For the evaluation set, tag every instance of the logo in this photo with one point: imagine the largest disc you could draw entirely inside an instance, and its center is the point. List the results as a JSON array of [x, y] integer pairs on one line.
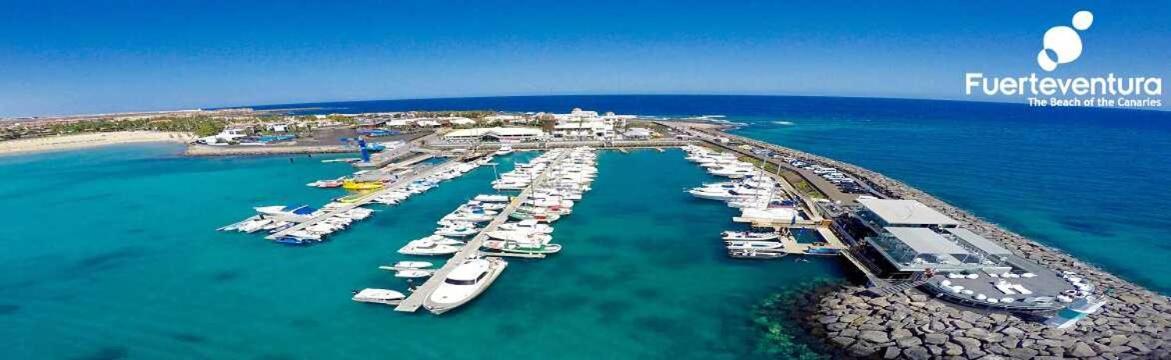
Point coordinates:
[[1062, 44]]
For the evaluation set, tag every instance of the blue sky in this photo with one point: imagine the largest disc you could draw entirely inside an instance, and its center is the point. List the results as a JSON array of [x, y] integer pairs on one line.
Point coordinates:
[[61, 57]]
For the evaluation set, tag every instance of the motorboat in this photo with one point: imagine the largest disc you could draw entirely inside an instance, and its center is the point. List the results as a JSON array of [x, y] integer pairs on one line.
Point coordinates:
[[412, 265], [464, 283], [755, 254], [531, 226], [379, 296], [427, 246], [412, 273], [254, 225], [349, 184], [457, 230], [521, 247], [753, 245], [521, 236], [492, 198], [442, 240], [326, 183], [544, 217], [460, 216], [504, 150], [747, 235]]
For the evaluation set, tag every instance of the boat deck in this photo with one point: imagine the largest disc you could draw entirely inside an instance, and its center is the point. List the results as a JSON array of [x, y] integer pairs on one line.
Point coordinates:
[[415, 300]]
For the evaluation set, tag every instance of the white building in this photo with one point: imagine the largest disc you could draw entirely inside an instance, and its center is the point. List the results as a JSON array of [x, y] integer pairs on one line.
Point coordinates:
[[458, 121], [495, 134], [399, 123], [582, 124]]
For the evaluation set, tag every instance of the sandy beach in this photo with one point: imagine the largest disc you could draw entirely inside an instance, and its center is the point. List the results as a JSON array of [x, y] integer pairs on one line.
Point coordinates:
[[79, 141]]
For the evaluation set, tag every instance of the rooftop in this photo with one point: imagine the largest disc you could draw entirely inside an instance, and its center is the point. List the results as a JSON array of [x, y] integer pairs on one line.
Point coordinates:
[[926, 241], [906, 212], [502, 131]]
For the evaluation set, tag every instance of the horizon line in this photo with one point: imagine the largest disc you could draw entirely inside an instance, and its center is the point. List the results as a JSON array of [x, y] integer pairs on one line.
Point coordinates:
[[1025, 104]]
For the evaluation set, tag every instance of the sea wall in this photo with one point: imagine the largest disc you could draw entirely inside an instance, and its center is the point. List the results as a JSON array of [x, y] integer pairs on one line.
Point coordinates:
[[1135, 323]]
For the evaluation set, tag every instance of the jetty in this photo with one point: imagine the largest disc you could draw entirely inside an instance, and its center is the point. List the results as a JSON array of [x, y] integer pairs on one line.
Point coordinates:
[[364, 200], [472, 249]]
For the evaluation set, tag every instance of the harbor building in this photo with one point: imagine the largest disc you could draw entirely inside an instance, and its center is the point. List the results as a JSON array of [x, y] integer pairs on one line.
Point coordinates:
[[904, 239], [494, 134], [581, 124]]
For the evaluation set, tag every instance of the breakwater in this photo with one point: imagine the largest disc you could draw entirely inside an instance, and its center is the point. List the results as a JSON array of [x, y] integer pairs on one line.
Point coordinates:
[[208, 150], [1134, 323]]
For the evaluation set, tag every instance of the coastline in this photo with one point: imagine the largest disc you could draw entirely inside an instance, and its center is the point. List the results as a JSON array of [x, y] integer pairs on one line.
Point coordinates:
[[1135, 321], [82, 141]]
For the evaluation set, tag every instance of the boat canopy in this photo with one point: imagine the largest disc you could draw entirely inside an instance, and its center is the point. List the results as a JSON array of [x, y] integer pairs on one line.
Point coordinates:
[[304, 210]]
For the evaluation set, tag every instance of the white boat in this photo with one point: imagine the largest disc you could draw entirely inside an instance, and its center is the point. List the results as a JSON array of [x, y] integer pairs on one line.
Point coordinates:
[[755, 254], [492, 198], [254, 225], [521, 247], [457, 230], [464, 283], [531, 226], [504, 150], [753, 245], [521, 236], [747, 235], [412, 273], [412, 265], [427, 247], [379, 296]]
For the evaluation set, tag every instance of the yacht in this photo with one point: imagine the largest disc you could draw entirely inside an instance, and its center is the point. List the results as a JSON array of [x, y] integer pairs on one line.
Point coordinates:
[[531, 226], [464, 283], [746, 235], [412, 273], [492, 198], [379, 296], [427, 246], [521, 247], [412, 265], [504, 150], [521, 236], [752, 245], [457, 230]]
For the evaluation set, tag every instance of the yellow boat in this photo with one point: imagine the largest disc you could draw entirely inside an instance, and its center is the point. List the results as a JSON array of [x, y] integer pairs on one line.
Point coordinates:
[[351, 198], [361, 185]]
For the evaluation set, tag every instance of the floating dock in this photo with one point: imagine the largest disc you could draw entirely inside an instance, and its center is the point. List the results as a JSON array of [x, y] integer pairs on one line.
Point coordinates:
[[414, 301]]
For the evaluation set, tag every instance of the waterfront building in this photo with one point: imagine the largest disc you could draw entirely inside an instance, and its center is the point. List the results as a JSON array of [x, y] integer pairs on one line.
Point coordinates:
[[495, 134], [904, 239], [581, 124]]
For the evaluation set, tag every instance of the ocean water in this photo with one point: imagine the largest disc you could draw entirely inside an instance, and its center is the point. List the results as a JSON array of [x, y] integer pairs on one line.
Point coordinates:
[[1092, 182], [111, 253]]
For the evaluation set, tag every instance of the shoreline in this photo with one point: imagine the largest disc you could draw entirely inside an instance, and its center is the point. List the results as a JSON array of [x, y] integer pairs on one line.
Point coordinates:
[[1135, 322], [89, 140]]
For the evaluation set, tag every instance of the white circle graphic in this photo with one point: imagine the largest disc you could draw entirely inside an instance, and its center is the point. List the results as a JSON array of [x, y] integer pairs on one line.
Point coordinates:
[[1082, 20]]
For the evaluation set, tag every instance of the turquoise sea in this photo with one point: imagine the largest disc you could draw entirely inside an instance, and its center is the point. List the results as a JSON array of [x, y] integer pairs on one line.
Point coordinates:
[[111, 253], [1090, 181]]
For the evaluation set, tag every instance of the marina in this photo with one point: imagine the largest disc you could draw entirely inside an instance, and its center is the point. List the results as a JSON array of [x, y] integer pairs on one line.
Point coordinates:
[[540, 173], [389, 186]]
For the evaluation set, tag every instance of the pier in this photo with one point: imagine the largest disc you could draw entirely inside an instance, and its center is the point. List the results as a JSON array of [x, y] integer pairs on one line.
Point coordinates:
[[402, 181], [472, 249]]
